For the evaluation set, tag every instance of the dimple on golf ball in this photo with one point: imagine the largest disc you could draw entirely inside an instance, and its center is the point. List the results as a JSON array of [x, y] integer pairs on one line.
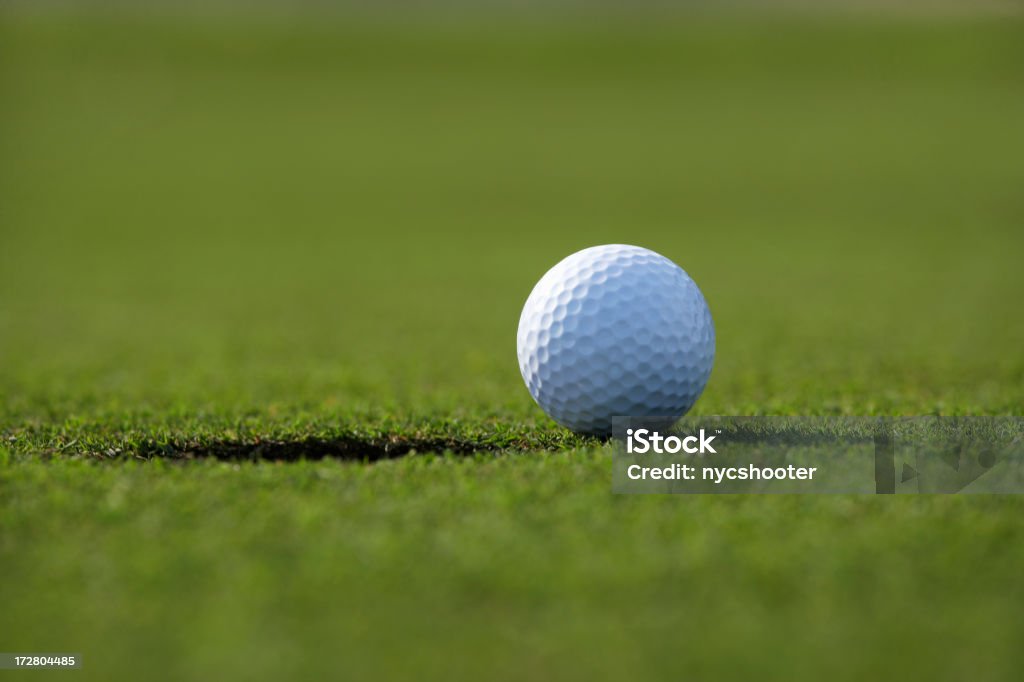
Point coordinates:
[[615, 330]]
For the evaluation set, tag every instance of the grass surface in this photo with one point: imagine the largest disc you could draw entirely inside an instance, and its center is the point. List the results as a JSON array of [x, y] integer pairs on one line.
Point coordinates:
[[219, 235]]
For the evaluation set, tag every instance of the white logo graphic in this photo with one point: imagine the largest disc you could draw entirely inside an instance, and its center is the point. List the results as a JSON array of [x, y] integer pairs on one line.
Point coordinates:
[[642, 441]]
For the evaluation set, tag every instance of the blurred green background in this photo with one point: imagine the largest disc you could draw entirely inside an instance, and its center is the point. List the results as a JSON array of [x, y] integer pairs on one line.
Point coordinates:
[[227, 228]]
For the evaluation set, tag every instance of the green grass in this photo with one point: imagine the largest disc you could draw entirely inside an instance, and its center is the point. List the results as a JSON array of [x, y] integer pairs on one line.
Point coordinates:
[[215, 235]]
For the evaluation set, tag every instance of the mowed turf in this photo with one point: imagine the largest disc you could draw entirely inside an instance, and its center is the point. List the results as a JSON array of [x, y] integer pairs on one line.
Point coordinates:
[[313, 238]]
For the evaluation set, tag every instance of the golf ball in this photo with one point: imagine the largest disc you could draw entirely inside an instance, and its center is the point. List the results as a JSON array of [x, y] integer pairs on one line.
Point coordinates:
[[615, 330]]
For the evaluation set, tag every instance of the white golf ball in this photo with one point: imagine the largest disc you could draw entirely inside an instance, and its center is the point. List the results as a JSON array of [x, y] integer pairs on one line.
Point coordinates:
[[615, 330]]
